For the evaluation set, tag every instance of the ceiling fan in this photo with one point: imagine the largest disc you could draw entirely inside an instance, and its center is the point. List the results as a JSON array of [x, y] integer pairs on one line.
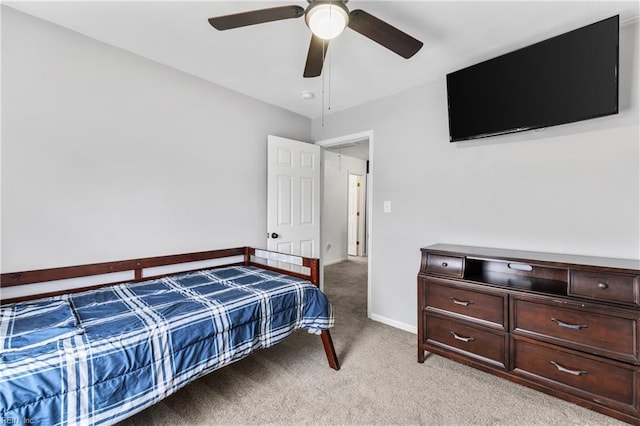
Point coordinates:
[[326, 19]]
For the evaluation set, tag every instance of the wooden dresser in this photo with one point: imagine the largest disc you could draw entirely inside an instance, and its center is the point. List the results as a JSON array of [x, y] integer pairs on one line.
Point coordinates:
[[562, 324]]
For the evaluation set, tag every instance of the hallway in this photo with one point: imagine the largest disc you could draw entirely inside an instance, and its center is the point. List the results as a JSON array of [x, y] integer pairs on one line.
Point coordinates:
[[345, 284]]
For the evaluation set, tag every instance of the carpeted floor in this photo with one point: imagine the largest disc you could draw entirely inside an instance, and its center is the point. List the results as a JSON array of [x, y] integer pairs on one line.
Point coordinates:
[[380, 381]]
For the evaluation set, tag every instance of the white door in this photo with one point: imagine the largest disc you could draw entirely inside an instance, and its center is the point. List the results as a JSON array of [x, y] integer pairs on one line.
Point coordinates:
[[293, 197], [353, 221]]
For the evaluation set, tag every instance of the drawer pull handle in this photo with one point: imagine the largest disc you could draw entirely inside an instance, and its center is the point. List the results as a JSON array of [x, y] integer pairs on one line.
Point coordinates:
[[566, 370], [462, 339], [445, 264], [571, 326], [461, 302], [603, 285]]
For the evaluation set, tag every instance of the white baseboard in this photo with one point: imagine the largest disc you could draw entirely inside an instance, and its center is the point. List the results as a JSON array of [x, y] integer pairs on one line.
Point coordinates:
[[333, 262], [393, 323]]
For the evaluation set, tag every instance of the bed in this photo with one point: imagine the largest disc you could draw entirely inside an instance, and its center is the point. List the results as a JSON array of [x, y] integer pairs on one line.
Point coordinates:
[[98, 354]]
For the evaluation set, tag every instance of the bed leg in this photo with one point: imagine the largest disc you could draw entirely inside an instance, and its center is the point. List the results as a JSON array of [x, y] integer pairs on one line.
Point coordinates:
[[330, 350]]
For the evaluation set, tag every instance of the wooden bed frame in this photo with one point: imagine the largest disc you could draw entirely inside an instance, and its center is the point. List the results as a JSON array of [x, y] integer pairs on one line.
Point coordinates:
[[249, 255]]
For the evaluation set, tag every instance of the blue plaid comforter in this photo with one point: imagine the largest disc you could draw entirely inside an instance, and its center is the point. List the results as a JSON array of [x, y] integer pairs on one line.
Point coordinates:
[[103, 355]]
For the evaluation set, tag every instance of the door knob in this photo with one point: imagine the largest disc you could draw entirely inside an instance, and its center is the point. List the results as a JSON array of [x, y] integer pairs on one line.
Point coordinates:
[[274, 235]]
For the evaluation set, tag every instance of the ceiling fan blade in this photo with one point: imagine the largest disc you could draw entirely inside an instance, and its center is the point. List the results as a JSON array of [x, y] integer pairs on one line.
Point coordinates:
[[384, 34], [253, 17], [315, 58]]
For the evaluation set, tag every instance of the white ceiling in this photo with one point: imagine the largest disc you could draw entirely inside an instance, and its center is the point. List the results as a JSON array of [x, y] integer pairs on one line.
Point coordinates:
[[266, 61], [357, 149]]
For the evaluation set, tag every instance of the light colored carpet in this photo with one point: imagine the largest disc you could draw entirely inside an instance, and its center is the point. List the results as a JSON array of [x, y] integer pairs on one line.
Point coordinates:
[[380, 382]]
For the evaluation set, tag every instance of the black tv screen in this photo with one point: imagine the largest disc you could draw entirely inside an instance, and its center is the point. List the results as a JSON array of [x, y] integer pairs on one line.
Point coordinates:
[[570, 77]]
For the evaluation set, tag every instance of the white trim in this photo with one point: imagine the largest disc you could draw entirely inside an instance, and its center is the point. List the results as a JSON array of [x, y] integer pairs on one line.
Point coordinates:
[[393, 323], [342, 140], [333, 262], [348, 138], [629, 20]]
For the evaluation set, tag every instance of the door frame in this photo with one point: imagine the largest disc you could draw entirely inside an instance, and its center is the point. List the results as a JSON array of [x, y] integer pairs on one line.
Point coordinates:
[[361, 213], [341, 140]]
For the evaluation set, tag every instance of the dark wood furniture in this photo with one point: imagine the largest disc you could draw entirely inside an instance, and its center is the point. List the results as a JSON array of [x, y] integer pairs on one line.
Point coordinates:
[[146, 268], [562, 324]]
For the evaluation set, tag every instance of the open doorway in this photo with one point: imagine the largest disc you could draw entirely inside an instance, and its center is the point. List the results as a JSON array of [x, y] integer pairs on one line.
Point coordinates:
[[344, 177], [346, 219]]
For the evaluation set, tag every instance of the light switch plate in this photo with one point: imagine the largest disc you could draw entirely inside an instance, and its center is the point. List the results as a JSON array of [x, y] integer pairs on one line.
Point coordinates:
[[387, 207]]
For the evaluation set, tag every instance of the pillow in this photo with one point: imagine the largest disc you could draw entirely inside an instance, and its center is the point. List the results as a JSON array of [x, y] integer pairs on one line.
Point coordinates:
[[32, 324]]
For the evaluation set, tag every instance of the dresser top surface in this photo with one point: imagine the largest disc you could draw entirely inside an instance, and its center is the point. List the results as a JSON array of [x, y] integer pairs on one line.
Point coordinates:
[[534, 256]]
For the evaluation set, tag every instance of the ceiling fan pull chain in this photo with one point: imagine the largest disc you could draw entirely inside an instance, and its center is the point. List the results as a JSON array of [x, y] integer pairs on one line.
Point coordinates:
[[323, 78], [329, 82], [329, 64], [326, 82]]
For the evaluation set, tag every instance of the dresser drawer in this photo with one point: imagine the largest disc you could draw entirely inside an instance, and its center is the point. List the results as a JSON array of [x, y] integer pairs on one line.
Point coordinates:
[[481, 344], [603, 381], [445, 265], [603, 286], [579, 328], [477, 305]]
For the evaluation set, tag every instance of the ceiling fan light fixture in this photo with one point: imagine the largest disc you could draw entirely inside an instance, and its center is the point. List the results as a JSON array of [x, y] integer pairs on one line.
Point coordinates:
[[327, 20]]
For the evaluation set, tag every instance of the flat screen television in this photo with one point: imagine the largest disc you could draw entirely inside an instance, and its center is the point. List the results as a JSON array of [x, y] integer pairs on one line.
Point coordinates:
[[567, 78]]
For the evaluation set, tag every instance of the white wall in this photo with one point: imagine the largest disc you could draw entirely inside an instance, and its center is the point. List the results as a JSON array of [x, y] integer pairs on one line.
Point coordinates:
[[335, 198], [573, 188], [107, 155]]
